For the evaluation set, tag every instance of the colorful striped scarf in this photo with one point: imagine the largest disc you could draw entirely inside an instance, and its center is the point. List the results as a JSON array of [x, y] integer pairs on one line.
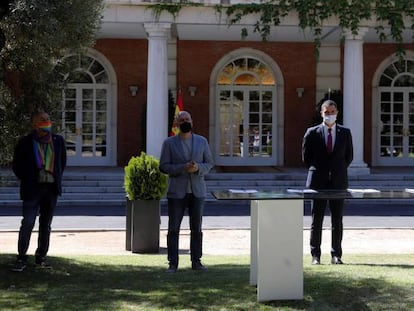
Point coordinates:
[[44, 153]]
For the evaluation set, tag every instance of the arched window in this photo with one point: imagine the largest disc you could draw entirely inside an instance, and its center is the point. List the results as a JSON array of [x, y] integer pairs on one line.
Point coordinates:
[[395, 142], [86, 110], [246, 107]]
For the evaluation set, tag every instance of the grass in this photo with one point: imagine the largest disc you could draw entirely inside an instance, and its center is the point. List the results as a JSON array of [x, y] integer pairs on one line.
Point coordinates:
[[139, 282]]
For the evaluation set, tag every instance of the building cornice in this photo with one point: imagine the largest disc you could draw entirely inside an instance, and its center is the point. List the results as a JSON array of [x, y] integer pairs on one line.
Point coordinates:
[[126, 19]]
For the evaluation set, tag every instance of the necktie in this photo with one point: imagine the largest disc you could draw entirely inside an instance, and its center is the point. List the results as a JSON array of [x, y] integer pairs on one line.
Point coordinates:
[[329, 143]]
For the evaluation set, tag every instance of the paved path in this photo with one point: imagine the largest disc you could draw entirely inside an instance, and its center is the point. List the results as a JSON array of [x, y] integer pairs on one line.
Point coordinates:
[[227, 235], [223, 234], [216, 242], [88, 222]]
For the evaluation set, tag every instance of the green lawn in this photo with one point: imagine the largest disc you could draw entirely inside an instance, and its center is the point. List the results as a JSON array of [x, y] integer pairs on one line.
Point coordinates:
[[139, 282]]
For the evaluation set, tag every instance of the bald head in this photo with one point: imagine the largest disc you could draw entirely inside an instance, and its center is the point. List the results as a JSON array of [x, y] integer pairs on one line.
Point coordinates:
[[185, 122], [184, 116]]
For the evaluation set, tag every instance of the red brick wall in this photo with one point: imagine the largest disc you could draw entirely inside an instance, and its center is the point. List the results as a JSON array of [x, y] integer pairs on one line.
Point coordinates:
[[129, 59], [196, 60]]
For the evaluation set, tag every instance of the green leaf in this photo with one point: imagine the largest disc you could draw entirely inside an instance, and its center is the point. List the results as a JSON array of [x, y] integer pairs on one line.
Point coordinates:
[[143, 179]]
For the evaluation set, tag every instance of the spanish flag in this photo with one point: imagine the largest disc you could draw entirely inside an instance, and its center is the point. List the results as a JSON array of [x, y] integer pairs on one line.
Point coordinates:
[[178, 107]]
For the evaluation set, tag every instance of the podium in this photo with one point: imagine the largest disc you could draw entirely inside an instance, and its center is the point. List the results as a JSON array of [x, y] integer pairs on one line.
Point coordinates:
[[276, 244]]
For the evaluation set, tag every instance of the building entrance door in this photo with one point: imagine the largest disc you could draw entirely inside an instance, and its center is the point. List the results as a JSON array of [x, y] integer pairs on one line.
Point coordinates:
[[88, 118], [245, 126], [396, 139], [395, 114], [245, 114], [85, 120]]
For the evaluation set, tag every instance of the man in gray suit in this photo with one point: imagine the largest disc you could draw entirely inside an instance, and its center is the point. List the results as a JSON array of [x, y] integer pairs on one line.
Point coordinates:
[[327, 151], [186, 158]]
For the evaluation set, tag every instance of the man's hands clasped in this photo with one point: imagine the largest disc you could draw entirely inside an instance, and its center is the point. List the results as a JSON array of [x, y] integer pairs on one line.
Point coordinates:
[[191, 167]]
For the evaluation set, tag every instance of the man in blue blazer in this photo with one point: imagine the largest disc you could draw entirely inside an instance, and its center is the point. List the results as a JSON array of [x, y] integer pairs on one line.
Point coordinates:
[[327, 151], [186, 158], [38, 162]]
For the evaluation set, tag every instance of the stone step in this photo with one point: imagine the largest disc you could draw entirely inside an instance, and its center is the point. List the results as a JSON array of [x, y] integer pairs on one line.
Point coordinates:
[[212, 185], [84, 186]]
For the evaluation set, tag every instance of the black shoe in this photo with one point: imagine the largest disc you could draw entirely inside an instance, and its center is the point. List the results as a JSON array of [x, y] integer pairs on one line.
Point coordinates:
[[336, 260], [197, 265], [42, 263], [19, 265], [171, 268], [316, 260]]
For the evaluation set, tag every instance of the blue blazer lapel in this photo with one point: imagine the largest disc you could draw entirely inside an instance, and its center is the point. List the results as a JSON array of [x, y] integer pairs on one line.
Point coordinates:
[[179, 147], [195, 147]]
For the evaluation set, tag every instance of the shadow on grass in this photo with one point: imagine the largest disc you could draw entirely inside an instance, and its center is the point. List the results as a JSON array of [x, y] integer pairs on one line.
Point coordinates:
[[383, 265], [140, 282]]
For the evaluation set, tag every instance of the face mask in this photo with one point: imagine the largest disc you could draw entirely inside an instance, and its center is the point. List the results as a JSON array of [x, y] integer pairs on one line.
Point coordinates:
[[185, 127], [330, 119], [45, 126]]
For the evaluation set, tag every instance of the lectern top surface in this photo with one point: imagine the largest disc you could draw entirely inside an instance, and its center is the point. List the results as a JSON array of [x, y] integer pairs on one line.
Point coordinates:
[[307, 194]]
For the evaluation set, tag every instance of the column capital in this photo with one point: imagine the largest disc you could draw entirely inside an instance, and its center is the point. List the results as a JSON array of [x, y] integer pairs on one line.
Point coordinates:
[[158, 29], [358, 36]]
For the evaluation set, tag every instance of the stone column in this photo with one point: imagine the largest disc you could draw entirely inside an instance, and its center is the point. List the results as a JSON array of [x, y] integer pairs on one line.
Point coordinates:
[[353, 109], [157, 86]]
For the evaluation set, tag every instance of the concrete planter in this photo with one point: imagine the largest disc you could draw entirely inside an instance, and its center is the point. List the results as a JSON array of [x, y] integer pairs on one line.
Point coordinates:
[[128, 214], [144, 226]]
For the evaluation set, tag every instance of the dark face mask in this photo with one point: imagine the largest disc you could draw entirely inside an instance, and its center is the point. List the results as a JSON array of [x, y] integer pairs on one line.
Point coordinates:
[[185, 127]]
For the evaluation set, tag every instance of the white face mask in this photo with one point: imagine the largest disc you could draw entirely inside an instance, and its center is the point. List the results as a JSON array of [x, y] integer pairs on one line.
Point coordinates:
[[329, 119]]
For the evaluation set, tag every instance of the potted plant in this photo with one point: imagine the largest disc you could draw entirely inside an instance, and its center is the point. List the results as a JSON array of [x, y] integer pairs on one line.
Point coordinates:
[[145, 185]]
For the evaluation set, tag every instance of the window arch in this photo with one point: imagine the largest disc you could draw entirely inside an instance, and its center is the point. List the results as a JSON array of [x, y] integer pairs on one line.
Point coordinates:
[[246, 71], [398, 74], [84, 69]]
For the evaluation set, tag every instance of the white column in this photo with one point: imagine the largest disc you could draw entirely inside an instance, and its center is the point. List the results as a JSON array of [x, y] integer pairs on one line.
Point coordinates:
[[353, 108], [157, 86]]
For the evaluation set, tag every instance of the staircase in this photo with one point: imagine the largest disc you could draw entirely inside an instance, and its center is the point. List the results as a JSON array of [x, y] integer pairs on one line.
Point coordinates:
[[103, 186], [81, 187]]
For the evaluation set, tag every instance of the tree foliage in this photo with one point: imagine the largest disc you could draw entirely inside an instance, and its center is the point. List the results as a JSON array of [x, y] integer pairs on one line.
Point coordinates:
[[390, 16], [34, 36]]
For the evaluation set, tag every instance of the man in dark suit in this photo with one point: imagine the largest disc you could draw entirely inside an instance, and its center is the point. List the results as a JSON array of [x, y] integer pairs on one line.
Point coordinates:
[[186, 158], [327, 151], [38, 162]]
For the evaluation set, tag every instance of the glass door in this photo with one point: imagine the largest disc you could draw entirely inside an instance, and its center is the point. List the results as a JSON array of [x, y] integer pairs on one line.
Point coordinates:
[[245, 127], [396, 115], [85, 124]]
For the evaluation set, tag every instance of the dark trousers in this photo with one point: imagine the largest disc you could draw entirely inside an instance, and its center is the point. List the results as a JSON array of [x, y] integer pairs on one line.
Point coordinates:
[[43, 204], [176, 209], [318, 211]]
